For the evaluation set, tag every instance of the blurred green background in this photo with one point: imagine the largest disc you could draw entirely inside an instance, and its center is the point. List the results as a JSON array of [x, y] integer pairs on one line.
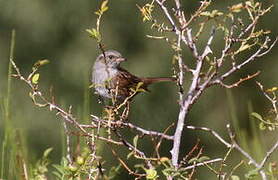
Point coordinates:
[[55, 30]]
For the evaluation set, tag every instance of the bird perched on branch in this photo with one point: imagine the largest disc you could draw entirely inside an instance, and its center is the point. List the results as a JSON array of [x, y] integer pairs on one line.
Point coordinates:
[[110, 80]]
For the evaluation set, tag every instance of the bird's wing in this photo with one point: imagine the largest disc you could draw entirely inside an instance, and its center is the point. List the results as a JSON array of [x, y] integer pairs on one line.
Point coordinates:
[[124, 81]]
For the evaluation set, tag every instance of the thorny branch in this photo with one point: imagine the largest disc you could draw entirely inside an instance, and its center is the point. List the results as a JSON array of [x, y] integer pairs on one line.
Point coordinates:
[[40, 100]]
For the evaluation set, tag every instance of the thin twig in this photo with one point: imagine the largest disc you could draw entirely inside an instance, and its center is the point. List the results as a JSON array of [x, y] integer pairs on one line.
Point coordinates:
[[201, 164]]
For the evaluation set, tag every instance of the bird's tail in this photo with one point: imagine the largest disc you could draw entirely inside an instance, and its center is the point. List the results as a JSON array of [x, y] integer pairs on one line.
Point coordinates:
[[151, 80]]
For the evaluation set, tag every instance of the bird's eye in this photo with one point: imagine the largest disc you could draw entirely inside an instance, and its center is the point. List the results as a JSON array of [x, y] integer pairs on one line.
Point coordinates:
[[110, 57]]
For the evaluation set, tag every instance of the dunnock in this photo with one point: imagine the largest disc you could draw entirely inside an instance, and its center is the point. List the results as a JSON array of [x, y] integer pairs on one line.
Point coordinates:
[[109, 79]]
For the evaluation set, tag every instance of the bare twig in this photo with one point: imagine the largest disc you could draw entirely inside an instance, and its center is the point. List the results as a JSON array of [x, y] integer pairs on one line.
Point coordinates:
[[125, 165], [129, 125], [241, 80], [202, 164], [67, 142], [215, 134], [137, 152], [253, 57], [272, 99], [244, 153], [268, 154]]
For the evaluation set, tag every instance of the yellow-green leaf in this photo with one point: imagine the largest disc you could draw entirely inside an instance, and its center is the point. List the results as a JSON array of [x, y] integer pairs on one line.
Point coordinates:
[[104, 9], [94, 34], [41, 62], [243, 47], [256, 115], [205, 13], [135, 141], [35, 78], [237, 8], [103, 6], [249, 3], [139, 85], [234, 177], [47, 151], [151, 174], [203, 158], [272, 89]]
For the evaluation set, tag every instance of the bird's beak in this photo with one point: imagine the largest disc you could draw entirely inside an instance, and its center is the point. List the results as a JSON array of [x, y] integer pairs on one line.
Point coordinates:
[[121, 59]]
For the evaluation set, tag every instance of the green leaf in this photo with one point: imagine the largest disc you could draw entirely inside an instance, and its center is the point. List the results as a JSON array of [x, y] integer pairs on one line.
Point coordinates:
[[203, 158], [243, 47], [262, 126], [35, 78], [151, 174], [258, 116], [251, 174], [193, 160], [41, 63], [94, 34], [212, 14], [205, 13], [104, 6], [273, 89], [59, 176], [249, 3], [236, 8], [47, 151], [129, 155], [135, 141], [234, 177], [139, 85]]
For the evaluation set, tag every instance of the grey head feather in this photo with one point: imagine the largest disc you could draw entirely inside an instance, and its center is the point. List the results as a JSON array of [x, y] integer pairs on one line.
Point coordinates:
[[109, 53]]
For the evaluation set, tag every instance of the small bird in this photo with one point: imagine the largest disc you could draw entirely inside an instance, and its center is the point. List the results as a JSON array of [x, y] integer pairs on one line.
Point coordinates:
[[109, 79]]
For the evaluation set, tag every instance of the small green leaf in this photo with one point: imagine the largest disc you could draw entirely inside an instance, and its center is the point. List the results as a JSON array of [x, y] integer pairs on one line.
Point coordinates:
[[104, 6], [243, 47], [256, 115], [249, 3], [47, 151], [80, 160], [73, 168], [129, 155], [35, 78], [212, 14], [193, 160], [135, 141], [273, 89], [262, 126], [251, 174], [139, 85], [203, 158], [151, 174], [41, 63], [234, 177], [236, 8], [205, 13], [94, 34]]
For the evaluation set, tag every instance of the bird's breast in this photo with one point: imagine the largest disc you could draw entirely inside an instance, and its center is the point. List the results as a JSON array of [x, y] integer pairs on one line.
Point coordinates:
[[101, 80]]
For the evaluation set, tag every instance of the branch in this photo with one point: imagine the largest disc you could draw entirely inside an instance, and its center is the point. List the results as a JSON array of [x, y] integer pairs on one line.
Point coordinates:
[[166, 12], [268, 154], [241, 80], [129, 125], [214, 133], [244, 153], [201, 164], [258, 53], [192, 94], [234, 145]]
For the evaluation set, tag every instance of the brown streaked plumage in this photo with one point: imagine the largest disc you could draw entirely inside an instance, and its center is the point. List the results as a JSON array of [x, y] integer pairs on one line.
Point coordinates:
[[107, 75]]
